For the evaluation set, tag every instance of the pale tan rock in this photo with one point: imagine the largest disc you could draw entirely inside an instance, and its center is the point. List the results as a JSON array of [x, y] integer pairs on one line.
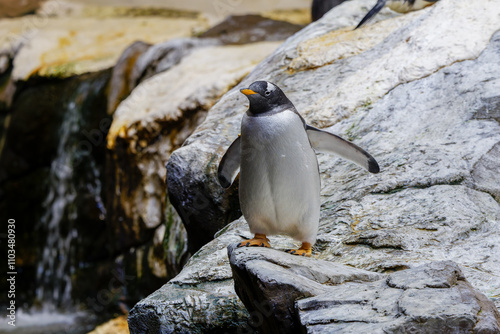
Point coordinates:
[[195, 83], [115, 326], [67, 46], [343, 43]]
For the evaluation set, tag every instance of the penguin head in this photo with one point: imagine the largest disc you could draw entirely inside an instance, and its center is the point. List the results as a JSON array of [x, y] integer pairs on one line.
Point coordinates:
[[266, 97]]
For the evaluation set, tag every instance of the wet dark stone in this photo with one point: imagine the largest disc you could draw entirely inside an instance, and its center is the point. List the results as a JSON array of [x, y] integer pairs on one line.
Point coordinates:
[[121, 82], [202, 215], [245, 29], [321, 7]]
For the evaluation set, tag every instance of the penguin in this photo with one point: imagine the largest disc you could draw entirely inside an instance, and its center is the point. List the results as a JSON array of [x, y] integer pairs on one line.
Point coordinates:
[[279, 183], [321, 7], [400, 6]]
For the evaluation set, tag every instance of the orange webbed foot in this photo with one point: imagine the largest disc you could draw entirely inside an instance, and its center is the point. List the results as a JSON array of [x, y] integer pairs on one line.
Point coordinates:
[[259, 240], [304, 250]]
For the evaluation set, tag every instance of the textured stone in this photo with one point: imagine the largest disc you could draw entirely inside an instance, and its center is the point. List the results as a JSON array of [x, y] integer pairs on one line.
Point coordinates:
[[386, 307], [199, 300], [422, 109], [269, 281], [122, 80], [484, 175]]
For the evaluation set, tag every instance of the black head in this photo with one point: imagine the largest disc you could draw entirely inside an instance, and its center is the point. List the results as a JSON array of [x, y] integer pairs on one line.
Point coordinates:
[[266, 97]]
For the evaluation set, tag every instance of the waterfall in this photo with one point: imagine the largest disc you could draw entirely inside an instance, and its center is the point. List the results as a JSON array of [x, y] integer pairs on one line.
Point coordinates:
[[59, 261], [55, 267]]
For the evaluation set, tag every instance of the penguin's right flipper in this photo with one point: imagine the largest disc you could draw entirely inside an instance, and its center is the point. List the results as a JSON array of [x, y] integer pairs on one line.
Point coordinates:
[[327, 142], [229, 166], [380, 4]]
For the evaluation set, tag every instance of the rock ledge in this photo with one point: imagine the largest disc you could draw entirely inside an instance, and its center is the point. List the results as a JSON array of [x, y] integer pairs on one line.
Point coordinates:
[[288, 294]]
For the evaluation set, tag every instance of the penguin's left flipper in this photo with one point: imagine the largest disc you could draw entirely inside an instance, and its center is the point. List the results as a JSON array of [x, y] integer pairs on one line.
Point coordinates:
[[326, 142], [378, 6], [229, 166]]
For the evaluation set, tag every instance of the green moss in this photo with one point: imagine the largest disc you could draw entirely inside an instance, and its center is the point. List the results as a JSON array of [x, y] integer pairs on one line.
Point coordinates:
[[367, 104], [60, 71], [350, 132]]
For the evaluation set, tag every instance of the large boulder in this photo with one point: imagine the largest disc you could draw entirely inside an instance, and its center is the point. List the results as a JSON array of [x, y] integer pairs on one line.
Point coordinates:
[[419, 92], [348, 63], [291, 294], [269, 282], [201, 299], [410, 97]]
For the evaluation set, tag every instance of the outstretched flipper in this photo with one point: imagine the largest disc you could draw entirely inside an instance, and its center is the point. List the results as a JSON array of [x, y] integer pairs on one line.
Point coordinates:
[[380, 4], [326, 142], [229, 166]]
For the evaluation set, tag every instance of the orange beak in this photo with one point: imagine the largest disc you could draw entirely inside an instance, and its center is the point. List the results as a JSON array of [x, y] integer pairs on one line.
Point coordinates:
[[247, 91]]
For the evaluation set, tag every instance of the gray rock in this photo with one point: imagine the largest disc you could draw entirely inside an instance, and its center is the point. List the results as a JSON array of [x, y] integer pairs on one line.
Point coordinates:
[[121, 82], [432, 298], [198, 300], [345, 91], [414, 99], [484, 174], [269, 281], [202, 297], [163, 56]]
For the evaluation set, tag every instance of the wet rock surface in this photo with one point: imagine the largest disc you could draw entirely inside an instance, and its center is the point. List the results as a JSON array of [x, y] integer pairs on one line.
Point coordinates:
[[200, 299]]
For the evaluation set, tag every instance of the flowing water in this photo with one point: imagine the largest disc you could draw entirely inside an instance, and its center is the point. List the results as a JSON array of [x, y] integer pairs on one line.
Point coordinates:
[[55, 268], [74, 173]]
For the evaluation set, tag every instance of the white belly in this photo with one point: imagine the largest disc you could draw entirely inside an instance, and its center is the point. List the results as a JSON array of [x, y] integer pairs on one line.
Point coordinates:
[[279, 178]]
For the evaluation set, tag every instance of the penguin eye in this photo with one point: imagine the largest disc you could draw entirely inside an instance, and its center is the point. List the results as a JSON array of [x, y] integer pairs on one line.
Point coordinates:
[[267, 93]]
